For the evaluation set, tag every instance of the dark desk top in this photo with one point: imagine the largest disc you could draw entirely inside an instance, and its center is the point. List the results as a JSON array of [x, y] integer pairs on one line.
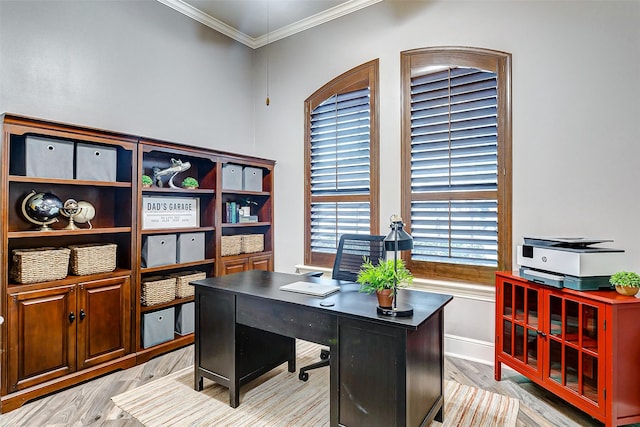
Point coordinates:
[[348, 302]]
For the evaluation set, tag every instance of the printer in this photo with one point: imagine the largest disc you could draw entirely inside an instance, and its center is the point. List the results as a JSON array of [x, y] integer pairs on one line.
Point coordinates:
[[571, 262]]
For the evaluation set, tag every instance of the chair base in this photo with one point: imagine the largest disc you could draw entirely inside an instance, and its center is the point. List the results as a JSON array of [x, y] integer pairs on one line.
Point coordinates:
[[325, 357]]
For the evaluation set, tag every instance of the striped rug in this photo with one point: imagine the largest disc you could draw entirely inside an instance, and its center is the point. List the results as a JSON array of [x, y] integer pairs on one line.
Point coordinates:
[[279, 399]]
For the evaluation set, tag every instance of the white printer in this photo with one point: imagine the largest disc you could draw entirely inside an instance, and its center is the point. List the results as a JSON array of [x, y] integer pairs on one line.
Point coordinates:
[[570, 262]]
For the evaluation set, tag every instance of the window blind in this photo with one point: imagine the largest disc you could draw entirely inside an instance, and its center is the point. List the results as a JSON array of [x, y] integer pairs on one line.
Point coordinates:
[[340, 166], [331, 220], [457, 232], [340, 145], [454, 150]]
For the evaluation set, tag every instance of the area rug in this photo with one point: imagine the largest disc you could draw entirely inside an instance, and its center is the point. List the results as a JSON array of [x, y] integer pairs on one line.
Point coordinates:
[[272, 399]]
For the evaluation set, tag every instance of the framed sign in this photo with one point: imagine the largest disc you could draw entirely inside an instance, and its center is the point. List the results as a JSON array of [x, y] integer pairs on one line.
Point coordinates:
[[170, 212]]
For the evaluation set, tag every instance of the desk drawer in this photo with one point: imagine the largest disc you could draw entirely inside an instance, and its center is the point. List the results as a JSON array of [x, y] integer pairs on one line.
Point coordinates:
[[286, 319]]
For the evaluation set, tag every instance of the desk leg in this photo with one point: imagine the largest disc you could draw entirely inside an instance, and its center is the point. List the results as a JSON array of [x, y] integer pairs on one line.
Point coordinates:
[[292, 361], [198, 380], [234, 393], [440, 415], [334, 383]]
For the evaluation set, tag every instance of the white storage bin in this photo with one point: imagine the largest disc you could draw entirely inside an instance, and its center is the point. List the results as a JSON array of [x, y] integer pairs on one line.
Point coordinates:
[[251, 179], [190, 247], [185, 318], [96, 162], [48, 158], [231, 177], [157, 327], [159, 250]]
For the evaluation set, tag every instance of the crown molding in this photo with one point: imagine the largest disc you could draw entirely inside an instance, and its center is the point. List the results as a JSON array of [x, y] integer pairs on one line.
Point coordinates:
[[209, 21], [314, 20], [272, 36]]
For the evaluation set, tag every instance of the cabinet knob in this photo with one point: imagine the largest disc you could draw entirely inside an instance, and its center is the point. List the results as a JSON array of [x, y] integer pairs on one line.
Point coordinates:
[[72, 317], [542, 334], [82, 314]]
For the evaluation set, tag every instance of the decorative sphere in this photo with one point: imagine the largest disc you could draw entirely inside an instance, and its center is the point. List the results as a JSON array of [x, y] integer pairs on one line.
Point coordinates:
[[70, 207], [41, 208], [86, 212]]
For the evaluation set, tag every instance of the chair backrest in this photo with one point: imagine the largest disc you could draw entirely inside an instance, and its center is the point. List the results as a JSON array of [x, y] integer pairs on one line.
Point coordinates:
[[352, 249]]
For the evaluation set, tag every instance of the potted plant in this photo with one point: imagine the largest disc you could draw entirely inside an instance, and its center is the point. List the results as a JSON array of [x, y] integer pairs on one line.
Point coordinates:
[[626, 282], [190, 183], [379, 279], [146, 181]]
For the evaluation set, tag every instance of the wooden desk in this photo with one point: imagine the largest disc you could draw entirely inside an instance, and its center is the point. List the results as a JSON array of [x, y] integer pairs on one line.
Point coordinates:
[[384, 371]]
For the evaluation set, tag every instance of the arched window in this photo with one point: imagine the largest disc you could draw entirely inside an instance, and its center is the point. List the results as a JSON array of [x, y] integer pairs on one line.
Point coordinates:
[[456, 142], [341, 162]]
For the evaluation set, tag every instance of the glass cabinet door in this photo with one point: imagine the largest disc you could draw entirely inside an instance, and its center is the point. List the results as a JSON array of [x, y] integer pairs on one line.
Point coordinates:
[[520, 328], [573, 345]]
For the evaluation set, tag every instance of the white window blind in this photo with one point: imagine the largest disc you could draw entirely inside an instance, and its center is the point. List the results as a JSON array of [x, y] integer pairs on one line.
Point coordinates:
[[340, 166], [454, 158], [331, 220]]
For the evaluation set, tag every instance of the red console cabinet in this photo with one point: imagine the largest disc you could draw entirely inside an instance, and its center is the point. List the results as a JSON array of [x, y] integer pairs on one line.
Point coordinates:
[[584, 346]]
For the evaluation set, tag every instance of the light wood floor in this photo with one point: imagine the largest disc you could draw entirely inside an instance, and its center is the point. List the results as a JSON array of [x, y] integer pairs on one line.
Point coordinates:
[[89, 404]]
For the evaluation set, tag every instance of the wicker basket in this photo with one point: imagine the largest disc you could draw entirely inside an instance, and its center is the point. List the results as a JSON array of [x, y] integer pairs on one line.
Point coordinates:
[[39, 264], [183, 288], [252, 243], [92, 258], [158, 290], [230, 245]]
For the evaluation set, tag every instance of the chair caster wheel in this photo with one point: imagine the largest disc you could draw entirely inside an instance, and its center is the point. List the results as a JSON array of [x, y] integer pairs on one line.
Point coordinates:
[[303, 376]]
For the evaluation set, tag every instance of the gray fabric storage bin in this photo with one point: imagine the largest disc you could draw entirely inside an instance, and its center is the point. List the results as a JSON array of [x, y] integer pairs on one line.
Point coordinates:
[[185, 318], [251, 179], [231, 177], [159, 250], [96, 162], [157, 327], [48, 158], [190, 247]]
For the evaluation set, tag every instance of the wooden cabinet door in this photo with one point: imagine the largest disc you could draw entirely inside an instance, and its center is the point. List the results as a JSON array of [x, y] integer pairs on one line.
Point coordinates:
[[41, 336], [234, 266], [104, 320], [261, 262]]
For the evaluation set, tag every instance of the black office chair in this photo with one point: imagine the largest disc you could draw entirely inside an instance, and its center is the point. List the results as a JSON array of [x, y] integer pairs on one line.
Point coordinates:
[[352, 250]]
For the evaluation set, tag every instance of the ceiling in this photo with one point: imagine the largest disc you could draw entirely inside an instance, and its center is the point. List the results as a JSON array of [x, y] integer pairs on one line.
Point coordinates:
[[257, 23]]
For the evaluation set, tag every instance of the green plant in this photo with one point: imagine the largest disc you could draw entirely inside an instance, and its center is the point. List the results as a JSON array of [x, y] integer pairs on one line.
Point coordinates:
[[625, 278], [374, 278], [189, 182], [146, 180]]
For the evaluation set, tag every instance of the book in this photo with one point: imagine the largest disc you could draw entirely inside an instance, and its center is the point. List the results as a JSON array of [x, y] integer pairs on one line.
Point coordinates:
[[231, 212], [234, 213]]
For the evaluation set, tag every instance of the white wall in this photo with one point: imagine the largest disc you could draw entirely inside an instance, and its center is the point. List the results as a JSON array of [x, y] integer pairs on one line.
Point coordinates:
[[576, 106], [576, 117], [142, 68], [130, 66]]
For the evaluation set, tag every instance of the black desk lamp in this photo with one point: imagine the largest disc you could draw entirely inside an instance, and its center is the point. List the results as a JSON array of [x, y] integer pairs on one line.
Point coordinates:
[[397, 240]]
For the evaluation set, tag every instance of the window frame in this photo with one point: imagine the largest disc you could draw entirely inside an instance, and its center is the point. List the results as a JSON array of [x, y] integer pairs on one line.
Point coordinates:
[[486, 59], [360, 77]]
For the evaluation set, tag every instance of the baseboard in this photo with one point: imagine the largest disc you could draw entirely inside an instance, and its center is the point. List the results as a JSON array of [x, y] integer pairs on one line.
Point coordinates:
[[469, 349]]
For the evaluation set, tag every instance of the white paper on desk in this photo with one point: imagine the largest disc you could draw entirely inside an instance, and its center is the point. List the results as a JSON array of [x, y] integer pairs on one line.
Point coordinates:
[[310, 288]]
